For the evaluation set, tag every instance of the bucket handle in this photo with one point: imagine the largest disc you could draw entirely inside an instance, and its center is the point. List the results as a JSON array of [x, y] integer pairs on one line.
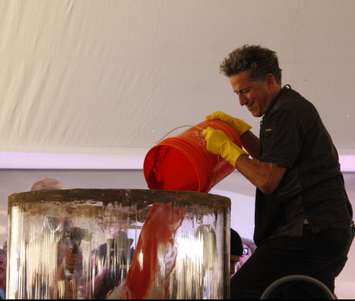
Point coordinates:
[[177, 128], [180, 127]]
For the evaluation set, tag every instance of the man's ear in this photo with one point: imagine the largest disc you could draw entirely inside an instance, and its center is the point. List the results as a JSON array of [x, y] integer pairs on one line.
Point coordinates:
[[271, 82], [270, 79]]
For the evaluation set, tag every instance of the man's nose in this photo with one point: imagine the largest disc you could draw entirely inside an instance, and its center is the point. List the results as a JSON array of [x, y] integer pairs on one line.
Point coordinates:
[[242, 100]]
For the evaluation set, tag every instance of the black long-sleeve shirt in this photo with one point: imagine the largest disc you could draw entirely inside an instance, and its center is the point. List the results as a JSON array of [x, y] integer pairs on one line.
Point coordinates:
[[293, 136]]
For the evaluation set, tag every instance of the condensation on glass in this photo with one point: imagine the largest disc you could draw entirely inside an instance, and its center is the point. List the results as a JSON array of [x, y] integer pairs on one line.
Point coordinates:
[[104, 243]]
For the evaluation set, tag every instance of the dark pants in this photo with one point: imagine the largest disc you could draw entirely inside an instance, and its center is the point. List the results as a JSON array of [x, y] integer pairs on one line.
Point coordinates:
[[321, 255]]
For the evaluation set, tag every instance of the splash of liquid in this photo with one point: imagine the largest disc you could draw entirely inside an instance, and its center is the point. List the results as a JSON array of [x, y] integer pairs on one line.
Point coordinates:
[[148, 276]]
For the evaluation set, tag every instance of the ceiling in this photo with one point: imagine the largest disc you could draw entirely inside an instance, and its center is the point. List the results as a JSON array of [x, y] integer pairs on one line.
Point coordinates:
[[107, 76]]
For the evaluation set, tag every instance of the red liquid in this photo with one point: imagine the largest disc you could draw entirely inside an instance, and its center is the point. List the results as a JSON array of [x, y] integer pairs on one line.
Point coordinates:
[[158, 231], [180, 163]]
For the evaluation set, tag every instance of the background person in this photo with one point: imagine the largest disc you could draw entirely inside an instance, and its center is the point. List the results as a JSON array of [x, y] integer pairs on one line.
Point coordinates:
[[248, 250], [236, 252]]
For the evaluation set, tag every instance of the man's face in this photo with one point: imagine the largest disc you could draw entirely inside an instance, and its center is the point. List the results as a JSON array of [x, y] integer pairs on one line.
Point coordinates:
[[254, 94]]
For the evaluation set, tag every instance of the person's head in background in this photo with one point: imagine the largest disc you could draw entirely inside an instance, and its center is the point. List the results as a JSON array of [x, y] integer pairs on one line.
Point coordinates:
[[47, 184], [236, 251]]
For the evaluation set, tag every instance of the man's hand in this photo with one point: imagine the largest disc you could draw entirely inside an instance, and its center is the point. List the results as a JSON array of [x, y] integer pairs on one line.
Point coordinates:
[[218, 143], [238, 124]]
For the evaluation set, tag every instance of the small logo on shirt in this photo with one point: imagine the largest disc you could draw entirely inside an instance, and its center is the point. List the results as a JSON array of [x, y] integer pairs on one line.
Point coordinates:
[[268, 130]]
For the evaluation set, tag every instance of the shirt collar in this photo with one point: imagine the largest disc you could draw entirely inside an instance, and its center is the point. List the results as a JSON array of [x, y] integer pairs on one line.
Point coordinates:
[[276, 98]]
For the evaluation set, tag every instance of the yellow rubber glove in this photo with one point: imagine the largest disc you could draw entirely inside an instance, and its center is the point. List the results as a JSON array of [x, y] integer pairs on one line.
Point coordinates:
[[218, 143], [238, 124]]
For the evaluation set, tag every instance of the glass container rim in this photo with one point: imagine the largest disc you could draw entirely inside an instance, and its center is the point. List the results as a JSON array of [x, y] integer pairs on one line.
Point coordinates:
[[125, 196]]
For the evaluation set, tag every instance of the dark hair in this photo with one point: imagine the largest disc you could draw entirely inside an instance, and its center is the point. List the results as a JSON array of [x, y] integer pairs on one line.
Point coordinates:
[[236, 244], [258, 61]]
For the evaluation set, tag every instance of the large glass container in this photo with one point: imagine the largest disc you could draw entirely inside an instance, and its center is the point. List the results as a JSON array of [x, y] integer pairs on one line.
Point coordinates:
[[111, 243]]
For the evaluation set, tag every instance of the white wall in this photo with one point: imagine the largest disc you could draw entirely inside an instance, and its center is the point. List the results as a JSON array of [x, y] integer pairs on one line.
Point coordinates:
[[100, 75], [345, 284]]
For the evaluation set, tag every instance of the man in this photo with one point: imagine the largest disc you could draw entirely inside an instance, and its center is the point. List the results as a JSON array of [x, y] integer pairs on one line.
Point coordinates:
[[236, 252], [302, 212]]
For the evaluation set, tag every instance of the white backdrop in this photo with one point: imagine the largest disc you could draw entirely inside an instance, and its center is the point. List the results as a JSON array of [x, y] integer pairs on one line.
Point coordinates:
[[101, 76]]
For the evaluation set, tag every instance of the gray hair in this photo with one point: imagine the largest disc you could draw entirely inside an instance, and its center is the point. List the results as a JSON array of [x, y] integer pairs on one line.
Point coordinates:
[[256, 60]]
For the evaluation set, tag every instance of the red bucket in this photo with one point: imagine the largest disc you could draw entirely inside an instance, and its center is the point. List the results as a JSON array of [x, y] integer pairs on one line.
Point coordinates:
[[183, 162]]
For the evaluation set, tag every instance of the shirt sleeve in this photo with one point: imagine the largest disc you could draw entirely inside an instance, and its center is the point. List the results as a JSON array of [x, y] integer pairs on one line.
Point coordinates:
[[281, 138]]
